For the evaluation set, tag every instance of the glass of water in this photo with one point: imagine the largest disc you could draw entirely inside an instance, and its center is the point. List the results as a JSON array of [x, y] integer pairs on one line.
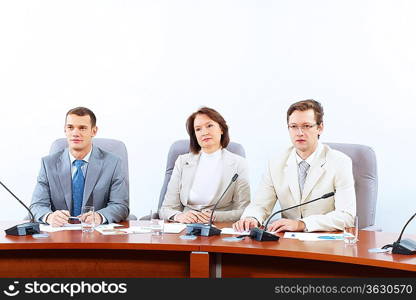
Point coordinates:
[[351, 232], [88, 226], [156, 224]]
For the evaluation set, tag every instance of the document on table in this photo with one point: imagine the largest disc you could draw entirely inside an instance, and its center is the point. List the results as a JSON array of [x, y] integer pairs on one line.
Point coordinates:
[[49, 228], [118, 231], [229, 230], [173, 227], [167, 228], [313, 236]]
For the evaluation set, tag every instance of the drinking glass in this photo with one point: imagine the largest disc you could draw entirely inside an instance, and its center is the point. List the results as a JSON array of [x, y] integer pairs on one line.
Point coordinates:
[[351, 232], [88, 227]]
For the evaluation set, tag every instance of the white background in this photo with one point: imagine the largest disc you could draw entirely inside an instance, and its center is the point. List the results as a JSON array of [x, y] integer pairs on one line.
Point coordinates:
[[144, 66]]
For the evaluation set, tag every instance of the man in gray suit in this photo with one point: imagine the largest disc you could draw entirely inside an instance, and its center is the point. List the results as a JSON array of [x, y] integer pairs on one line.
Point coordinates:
[[80, 175]]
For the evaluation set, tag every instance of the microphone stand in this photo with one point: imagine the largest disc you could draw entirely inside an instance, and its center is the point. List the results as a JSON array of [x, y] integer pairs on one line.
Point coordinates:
[[262, 235], [406, 246], [28, 228]]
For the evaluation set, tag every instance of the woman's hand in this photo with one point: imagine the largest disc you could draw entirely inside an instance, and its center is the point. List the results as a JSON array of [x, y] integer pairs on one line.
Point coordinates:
[[192, 216]]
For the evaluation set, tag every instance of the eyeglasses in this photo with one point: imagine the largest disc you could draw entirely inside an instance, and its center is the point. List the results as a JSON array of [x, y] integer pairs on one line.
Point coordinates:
[[304, 127]]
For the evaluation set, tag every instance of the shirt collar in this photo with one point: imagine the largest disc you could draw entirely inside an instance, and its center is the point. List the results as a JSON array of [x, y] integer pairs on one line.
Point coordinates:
[[311, 157], [86, 158]]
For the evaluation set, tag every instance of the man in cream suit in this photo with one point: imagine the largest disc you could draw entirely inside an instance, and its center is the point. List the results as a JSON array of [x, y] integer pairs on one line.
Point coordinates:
[[80, 175], [305, 171]]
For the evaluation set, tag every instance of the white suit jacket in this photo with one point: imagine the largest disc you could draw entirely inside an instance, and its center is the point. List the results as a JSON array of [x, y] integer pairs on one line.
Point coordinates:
[[234, 201], [330, 171]]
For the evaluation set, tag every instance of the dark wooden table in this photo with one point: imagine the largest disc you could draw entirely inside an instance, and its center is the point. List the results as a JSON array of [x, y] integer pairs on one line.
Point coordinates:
[[73, 254]]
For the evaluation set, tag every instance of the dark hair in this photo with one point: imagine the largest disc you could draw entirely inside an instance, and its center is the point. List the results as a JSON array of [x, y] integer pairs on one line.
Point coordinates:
[[82, 111], [306, 105], [213, 115]]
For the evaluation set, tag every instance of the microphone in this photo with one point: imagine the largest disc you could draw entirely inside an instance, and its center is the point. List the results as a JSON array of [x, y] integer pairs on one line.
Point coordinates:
[[406, 246], [28, 228], [208, 229], [262, 235]]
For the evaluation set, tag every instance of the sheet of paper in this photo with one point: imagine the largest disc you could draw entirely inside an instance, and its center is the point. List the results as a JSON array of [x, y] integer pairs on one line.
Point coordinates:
[[118, 231], [49, 228], [136, 229], [229, 230], [108, 226], [313, 236], [72, 225], [167, 228], [173, 227], [110, 231]]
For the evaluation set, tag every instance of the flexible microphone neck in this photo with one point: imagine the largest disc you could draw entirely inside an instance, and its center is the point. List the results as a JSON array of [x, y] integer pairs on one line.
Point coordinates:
[[215, 206], [282, 210], [32, 217], [401, 233]]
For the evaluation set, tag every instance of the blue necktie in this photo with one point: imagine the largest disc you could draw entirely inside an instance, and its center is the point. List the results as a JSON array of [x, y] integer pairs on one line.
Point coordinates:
[[77, 188]]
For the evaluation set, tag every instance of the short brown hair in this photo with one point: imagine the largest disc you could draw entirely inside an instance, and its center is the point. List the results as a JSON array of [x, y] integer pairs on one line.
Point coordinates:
[[82, 111], [306, 105], [194, 147]]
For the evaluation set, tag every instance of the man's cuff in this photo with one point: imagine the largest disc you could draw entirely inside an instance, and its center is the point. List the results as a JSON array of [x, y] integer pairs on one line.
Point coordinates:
[[103, 219], [45, 217], [306, 226]]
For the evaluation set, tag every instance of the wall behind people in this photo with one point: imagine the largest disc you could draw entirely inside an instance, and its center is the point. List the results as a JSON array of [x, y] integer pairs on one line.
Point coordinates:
[[144, 66]]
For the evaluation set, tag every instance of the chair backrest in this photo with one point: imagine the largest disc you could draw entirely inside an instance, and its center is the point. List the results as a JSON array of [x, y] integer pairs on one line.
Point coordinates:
[[113, 146], [364, 168], [181, 147]]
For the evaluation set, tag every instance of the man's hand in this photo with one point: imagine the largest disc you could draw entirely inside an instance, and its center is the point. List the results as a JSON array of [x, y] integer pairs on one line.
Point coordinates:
[[90, 217], [245, 224], [286, 225], [58, 218]]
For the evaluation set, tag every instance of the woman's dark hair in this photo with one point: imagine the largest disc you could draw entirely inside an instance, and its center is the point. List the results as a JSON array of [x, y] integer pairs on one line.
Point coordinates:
[[213, 115]]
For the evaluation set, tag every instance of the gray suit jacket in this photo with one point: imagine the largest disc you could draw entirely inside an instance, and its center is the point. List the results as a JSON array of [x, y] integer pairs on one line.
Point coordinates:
[[231, 206], [105, 187]]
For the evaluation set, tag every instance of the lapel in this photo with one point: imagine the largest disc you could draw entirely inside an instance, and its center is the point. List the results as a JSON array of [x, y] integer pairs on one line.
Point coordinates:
[[63, 167], [291, 173], [188, 174], [228, 171], [317, 169], [95, 165]]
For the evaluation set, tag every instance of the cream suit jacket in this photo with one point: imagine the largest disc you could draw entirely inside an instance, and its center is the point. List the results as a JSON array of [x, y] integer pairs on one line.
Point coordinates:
[[330, 171], [234, 201]]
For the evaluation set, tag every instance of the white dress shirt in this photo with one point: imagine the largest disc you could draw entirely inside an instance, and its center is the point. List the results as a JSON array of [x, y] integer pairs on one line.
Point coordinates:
[[84, 166], [311, 157]]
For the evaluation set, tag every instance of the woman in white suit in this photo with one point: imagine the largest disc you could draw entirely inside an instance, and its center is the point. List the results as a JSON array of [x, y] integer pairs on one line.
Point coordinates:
[[200, 177]]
